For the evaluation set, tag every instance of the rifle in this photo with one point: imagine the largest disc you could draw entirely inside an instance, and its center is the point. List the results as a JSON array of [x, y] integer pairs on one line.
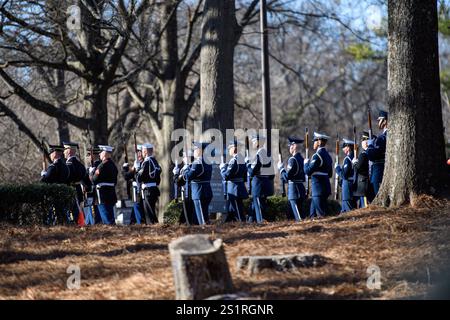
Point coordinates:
[[247, 147], [175, 184], [92, 148], [370, 122], [185, 194], [283, 183], [336, 178], [224, 183], [307, 157], [44, 155], [355, 142], [135, 146]]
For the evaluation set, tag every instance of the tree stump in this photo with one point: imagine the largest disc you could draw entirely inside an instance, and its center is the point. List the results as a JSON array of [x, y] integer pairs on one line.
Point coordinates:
[[200, 268], [256, 264]]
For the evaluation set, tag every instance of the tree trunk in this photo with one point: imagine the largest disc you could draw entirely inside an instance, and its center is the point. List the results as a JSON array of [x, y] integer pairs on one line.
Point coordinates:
[[217, 53], [415, 162], [96, 104], [200, 268], [173, 99], [63, 127]]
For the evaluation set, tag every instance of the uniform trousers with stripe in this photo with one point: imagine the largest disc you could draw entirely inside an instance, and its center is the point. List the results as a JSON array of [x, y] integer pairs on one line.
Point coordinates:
[[150, 198]]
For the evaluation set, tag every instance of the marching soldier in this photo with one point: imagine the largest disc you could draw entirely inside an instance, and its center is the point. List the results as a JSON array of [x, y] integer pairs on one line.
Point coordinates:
[[199, 175], [346, 173], [294, 176], [90, 204], [320, 169], [131, 174], [361, 168], [149, 177], [77, 173], [261, 172], [57, 172], [376, 152], [104, 178], [234, 173]]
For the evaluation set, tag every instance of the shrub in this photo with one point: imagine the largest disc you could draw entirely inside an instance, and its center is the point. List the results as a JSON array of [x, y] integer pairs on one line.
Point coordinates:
[[30, 204], [277, 209]]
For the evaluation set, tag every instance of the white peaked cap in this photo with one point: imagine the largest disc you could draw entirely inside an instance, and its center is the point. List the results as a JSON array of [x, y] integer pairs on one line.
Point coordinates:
[[106, 148], [321, 136], [147, 146]]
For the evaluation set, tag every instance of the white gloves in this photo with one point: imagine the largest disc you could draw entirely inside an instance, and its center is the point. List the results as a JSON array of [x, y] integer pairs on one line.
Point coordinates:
[[91, 170], [136, 165], [125, 165], [305, 161], [355, 161], [336, 165], [43, 172], [247, 160], [222, 165], [280, 165], [176, 171]]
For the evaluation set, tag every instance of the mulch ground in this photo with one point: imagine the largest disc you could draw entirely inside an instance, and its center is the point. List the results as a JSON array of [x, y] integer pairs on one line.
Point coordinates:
[[410, 245]]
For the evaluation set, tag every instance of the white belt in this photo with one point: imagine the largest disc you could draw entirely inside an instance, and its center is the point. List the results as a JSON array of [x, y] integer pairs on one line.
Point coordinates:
[[319, 174], [295, 181], [148, 185], [135, 184], [105, 184]]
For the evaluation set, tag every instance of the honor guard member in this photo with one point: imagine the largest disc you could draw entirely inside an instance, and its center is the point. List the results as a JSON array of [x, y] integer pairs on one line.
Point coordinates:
[[320, 169], [131, 174], [199, 175], [186, 191], [234, 173], [294, 176], [57, 172], [77, 173], [361, 169], [105, 179], [346, 173], [261, 171], [149, 177], [376, 151]]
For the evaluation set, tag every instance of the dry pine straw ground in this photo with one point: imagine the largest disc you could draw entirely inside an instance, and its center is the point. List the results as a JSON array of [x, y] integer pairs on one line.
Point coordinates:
[[410, 245]]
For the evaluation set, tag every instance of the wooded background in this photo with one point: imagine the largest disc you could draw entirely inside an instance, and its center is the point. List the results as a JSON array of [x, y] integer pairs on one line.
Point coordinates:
[[134, 66]]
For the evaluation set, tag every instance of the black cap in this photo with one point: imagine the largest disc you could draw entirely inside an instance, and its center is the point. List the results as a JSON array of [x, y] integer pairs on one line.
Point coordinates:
[[382, 115], [53, 148], [68, 145], [95, 149], [293, 140]]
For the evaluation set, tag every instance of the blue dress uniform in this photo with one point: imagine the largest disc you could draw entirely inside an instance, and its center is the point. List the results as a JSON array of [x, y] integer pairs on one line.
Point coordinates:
[[185, 186], [261, 173], [294, 176], [346, 173], [149, 177], [199, 176], [377, 151], [320, 169], [138, 205], [57, 172], [105, 180], [235, 174]]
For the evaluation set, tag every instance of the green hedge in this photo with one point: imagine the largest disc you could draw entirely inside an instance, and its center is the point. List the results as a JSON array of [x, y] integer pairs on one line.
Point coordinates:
[[277, 208], [29, 204]]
